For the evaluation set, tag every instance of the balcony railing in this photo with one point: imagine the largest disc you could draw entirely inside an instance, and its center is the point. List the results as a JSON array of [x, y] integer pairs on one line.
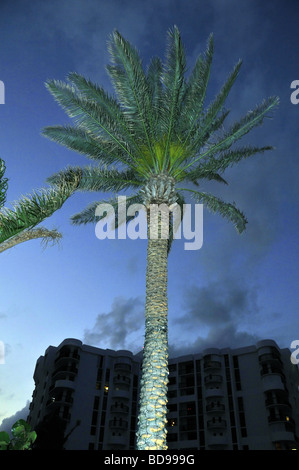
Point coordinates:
[[118, 424], [216, 423], [213, 379], [215, 407], [119, 409], [211, 365]]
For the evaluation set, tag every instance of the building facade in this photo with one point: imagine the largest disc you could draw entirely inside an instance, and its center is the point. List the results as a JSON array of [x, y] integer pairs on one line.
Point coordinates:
[[233, 399]]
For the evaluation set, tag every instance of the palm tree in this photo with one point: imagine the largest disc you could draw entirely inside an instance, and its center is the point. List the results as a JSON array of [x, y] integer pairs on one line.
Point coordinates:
[[151, 138], [17, 224]]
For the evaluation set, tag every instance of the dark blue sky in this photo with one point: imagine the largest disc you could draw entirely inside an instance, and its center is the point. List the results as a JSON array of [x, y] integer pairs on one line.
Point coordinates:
[[235, 289]]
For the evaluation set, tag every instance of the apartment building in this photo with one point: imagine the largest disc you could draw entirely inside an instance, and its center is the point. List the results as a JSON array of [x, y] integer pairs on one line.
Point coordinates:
[[228, 399]]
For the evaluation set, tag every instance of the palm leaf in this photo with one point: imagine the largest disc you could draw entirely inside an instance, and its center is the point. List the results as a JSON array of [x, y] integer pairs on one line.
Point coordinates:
[[216, 205], [247, 123], [86, 143], [3, 183], [173, 80], [33, 209], [154, 79], [97, 94], [205, 127], [229, 158], [131, 86], [89, 116], [98, 179], [88, 215]]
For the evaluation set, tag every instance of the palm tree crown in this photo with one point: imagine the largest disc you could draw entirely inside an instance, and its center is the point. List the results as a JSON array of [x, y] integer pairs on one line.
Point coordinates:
[[156, 126]]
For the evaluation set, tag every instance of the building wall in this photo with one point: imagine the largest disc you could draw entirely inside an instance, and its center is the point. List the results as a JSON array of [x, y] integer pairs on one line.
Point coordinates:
[[244, 398]]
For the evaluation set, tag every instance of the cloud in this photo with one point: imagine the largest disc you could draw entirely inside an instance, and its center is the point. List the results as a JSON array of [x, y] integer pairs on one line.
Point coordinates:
[[7, 423], [114, 329], [224, 337], [217, 303], [215, 315]]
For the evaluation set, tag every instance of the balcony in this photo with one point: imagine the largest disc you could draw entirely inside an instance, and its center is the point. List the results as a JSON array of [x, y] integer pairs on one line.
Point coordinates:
[[118, 441], [118, 424], [64, 384], [207, 365], [121, 379], [281, 430], [216, 441], [272, 381], [119, 408], [216, 423], [122, 366], [214, 392], [213, 379], [215, 407]]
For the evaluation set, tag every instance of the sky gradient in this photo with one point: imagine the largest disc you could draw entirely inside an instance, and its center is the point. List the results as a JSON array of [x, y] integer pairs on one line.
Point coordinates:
[[232, 292]]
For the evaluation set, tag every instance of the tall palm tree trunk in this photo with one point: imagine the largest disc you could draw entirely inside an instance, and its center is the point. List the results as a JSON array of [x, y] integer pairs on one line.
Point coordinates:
[[151, 434]]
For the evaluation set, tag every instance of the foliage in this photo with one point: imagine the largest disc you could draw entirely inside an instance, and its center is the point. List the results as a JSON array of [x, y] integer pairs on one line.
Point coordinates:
[[3, 183], [155, 124], [17, 224], [22, 437]]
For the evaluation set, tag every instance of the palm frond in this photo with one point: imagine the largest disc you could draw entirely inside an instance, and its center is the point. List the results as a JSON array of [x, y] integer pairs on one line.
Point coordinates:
[[229, 158], [3, 183], [246, 124], [89, 116], [207, 125], [98, 179], [47, 237], [203, 173], [154, 79], [88, 215], [98, 95], [131, 86], [217, 205], [30, 210], [195, 91], [173, 80], [86, 143]]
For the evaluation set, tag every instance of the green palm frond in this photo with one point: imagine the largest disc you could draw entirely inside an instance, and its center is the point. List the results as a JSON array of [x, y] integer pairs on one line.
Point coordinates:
[[31, 210], [239, 129], [3, 183], [88, 215], [229, 158], [90, 117], [203, 173], [205, 127], [98, 95], [216, 205], [129, 80], [98, 179], [154, 79], [173, 80], [86, 143], [197, 85]]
